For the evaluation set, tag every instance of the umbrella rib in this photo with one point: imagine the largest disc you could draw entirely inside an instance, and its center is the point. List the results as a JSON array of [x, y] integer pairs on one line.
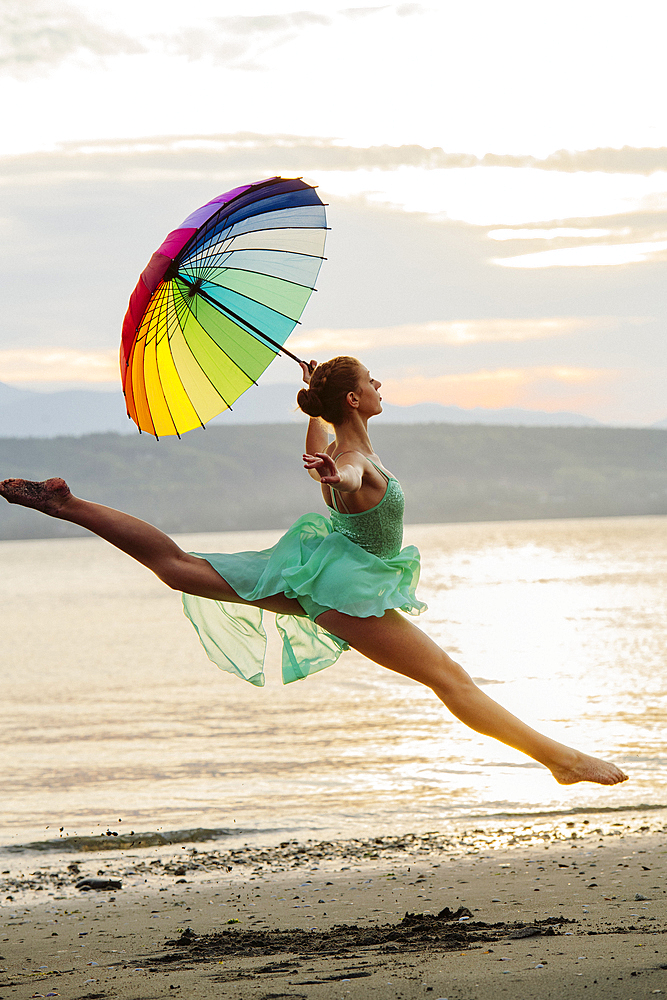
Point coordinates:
[[204, 373], [194, 408], [263, 274], [170, 308], [144, 390], [229, 235], [223, 351], [204, 242], [232, 315], [276, 229], [196, 360], [245, 322], [294, 253], [167, 315], [204, 256], [162, 319], [265, 229], [208, 228], [225, 205]]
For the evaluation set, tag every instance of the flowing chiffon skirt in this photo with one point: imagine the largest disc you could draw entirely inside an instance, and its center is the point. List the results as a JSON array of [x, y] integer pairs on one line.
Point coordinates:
[[323, 570]]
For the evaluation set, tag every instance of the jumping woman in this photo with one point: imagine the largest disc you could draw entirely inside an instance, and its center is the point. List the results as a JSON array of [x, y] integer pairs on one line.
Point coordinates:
[[333, 582]]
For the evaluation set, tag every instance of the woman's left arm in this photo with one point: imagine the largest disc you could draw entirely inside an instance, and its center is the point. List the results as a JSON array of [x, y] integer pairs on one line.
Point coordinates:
[[347, 478]]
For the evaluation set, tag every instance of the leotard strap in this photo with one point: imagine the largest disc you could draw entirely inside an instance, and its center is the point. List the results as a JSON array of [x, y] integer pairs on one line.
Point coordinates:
[[335, 494]]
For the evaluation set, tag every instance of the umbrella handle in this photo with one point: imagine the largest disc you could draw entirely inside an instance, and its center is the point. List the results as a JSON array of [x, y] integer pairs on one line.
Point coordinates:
[[310, 367]]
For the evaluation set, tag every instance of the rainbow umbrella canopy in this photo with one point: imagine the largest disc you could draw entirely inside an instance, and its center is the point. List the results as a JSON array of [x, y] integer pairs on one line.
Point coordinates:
[[217, 301]]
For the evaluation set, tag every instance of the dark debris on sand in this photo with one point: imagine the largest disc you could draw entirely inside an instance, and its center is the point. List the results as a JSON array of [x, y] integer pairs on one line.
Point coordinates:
[[447, 931]]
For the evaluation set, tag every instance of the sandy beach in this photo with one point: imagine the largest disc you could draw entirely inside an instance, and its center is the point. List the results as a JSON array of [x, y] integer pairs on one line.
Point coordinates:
[[547, 910]]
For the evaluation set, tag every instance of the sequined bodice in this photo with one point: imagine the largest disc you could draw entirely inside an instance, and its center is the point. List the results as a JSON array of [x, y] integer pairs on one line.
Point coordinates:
[[378, 530]]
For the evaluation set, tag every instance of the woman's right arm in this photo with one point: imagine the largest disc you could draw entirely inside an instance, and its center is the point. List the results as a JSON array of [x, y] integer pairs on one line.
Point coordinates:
[[317, 439], [317, 435]]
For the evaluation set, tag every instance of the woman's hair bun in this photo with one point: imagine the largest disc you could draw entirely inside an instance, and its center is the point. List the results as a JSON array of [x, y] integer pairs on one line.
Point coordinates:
[[329, 385], [309, 401]]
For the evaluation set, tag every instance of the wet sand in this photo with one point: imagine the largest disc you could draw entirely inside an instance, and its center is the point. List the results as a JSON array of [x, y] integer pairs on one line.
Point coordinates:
[[570, 910]]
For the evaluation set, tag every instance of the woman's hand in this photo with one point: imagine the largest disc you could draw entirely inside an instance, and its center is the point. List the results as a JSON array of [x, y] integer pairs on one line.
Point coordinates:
[[324, 466], [307, 370]]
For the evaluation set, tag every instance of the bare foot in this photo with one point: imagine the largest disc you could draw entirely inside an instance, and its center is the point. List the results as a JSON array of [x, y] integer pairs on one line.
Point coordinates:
[[585, 768], [49, 497]]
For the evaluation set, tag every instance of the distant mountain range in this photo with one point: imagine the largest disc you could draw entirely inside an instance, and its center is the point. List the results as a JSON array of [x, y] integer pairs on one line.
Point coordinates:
[[76, 412]]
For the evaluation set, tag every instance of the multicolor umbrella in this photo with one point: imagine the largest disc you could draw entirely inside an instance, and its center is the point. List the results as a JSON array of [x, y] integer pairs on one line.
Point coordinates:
[[217, 301]]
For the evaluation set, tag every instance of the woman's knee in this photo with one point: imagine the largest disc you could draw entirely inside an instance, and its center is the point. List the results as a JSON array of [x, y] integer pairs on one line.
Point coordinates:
[[172, 576], [449, 676], [183, 572]]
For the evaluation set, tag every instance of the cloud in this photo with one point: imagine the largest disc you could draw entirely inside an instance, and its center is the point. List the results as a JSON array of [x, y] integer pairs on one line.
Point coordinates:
[[241, 41], [330, 153], [212, 154], [548, 388], [627, 160], [590, 256], [558, 232], [449, 77], [419, 179], [58, 364], [453, 333], [40, 34], [356, 13], [480, 197], [411, 9], [503, 195]]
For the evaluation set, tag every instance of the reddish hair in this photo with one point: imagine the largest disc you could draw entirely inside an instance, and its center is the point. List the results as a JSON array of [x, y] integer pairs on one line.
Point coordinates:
[[328, 389]]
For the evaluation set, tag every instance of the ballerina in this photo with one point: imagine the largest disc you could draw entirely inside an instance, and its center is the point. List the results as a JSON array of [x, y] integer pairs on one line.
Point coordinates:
[[333, 583]]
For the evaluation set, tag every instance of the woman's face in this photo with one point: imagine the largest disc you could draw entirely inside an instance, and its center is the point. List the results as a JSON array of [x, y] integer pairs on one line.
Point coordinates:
[[370, 400]]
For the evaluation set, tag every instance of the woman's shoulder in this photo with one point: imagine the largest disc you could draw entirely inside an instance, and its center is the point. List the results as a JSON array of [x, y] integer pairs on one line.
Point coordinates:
[[372, 463]]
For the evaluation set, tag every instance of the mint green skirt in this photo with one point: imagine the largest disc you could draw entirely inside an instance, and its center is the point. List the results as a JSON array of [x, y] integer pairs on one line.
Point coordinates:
[[323, 570]]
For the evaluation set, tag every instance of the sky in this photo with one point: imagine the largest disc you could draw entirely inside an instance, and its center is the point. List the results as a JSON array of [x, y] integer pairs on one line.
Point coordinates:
[[496, 175]]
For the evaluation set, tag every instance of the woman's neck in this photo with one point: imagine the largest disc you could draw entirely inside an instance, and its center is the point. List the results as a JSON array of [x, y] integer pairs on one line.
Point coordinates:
[[353, 436]]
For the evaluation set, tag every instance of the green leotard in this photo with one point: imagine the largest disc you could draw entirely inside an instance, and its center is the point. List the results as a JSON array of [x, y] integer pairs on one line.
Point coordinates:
[[351, 563], [378, 530]]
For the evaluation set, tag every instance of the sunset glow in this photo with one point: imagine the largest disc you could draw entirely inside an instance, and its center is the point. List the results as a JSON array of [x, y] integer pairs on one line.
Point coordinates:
[[484, 236], [538, 388]]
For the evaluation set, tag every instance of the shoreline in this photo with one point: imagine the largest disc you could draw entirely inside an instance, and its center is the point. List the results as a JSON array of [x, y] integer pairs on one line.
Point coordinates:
[[468, 834], [583, 913]]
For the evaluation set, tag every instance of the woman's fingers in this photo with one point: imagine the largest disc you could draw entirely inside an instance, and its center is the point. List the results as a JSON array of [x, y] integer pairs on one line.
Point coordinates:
[[325, 466], [307, 368], [319, 459]]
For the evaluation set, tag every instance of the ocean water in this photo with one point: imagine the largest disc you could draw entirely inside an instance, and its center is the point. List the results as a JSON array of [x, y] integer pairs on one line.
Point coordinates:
[[112, 718]]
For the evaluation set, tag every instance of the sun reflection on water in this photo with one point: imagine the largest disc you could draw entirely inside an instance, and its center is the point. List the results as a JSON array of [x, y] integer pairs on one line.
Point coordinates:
[[111, 704]]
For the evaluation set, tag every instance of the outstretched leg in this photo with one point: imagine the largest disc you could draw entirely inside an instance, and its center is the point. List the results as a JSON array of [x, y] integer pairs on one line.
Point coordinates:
[[144, 542], [392, 641], [395, 643]]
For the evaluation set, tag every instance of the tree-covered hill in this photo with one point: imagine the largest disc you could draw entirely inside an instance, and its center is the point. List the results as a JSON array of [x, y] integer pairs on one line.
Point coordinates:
[[229, 478]]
